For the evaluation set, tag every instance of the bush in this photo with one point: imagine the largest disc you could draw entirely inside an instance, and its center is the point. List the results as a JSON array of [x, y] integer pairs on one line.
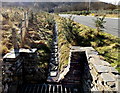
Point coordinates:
[[4, 50]]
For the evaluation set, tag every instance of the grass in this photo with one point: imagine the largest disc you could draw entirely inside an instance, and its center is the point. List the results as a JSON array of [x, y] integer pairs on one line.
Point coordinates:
[[39, 33], [106, 44], [63, 44]]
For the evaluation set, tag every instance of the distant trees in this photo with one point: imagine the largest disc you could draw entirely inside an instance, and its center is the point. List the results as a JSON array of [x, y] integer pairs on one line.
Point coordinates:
[[112, 7], [80, 6], [71, 7]]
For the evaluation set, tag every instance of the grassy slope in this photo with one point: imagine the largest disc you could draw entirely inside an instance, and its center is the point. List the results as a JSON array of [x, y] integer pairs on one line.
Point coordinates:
[[108, 46], [63, 44], [39, 33], [9, 19]]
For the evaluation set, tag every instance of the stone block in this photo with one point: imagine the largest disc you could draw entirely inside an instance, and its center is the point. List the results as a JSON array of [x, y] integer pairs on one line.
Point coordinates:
[[107, 89], [53, 73], [94, 75], [23, 50], [90, 66], [94, 90], [118, 83], [107, 77], [90, 48], [111, 84], [11, 55], [113, 70], [100, 87], [95, 60], [0, 89], [93, 52], [94, 72], [101, 69], [105, 63], [91, 60]]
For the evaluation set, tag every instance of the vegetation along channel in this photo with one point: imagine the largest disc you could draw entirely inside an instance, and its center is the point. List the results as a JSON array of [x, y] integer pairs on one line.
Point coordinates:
[[44, 52]]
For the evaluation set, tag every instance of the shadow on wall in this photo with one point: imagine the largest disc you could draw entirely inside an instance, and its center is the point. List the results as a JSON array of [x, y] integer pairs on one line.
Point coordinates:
[[78, 77]]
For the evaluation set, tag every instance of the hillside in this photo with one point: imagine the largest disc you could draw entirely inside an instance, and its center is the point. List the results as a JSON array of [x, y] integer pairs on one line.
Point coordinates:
[[62, 6]]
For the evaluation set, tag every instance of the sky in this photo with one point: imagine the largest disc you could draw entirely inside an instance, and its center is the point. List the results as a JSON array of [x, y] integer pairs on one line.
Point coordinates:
[[108, 1], [111, 1]]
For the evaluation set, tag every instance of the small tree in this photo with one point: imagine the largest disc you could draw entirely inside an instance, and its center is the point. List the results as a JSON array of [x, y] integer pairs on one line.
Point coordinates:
[[99, 23]]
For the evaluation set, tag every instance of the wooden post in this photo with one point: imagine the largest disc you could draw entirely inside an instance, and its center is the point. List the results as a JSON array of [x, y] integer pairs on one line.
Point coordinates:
[[14, 38], [26, 19], [23, 29], [23, 37]]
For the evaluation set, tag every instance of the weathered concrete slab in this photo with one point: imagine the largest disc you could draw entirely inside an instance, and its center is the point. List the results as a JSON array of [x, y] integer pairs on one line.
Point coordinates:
[[105, 63], [107, 77], [75, 47], [90, 66], [111, 84], [53, 73], [28, 50], [92, 52], [11, 55], [100, 88], [113, 70], [94, 75], [94, 90], [95, 60], [90, 48], [101, 68], [118, 83]]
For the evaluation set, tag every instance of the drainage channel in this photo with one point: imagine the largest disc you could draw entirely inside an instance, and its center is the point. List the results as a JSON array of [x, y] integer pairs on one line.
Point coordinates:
[[78, 70], [50, 86], [74, 80], [54, 61]]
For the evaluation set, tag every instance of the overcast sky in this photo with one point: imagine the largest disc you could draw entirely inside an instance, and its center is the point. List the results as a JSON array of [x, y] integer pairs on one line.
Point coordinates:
[[109, 1]]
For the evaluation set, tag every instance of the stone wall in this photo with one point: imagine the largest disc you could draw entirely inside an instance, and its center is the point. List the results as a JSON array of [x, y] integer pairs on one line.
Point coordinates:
[[104, 76], [99, 75], [65, 70], [14, 68], [0, 74]]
